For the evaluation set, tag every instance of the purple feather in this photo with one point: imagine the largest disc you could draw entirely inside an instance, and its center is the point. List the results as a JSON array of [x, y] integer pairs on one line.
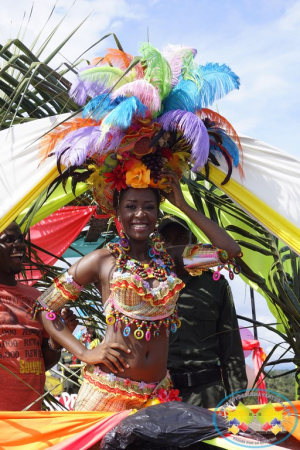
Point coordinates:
[[111, 141], [78, 145], [85, 142], [82, 89], [194, 131]]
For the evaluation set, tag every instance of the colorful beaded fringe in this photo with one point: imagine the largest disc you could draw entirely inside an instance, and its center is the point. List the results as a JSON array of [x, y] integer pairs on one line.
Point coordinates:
[[171, 323]]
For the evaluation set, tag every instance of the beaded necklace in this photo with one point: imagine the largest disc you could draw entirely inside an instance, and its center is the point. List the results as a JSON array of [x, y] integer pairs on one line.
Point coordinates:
[[159, 268]]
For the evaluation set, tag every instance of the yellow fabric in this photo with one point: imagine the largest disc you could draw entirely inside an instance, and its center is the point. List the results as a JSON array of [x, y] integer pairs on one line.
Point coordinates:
[[270, 219], [57, 199]]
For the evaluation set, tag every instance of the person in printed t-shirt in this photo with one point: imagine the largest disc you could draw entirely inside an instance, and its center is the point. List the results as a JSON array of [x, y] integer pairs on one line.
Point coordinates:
[[26, 351]]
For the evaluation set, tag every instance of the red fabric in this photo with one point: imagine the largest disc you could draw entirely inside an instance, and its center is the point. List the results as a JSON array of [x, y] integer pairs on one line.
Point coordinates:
[[57, 232], [20, 349], [101, 216], [257, 357]]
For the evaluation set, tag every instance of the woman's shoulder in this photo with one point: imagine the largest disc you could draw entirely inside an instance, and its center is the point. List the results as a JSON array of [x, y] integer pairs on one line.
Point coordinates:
[[88, 269]]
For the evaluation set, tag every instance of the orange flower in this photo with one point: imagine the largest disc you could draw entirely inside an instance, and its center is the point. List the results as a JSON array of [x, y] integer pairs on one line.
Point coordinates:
[[138, 176]]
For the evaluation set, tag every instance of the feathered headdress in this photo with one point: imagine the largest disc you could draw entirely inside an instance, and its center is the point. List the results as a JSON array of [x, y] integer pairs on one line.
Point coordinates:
[[145, 113]]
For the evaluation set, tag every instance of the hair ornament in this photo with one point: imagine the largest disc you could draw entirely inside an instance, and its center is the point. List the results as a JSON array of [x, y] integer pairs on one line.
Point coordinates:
[[142, 114]]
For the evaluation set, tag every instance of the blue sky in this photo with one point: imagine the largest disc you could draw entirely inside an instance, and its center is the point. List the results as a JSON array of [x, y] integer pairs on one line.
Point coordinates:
[[258, 39]]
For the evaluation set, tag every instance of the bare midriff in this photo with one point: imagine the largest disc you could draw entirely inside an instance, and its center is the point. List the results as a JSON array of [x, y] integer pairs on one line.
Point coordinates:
[[147, 360]]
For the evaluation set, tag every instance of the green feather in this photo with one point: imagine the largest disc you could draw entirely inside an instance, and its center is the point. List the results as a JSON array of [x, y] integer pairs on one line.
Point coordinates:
[[157, 69], [188, 69], [108, 75]]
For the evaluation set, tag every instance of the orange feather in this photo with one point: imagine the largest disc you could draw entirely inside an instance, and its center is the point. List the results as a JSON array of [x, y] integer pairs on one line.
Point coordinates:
[[117, 58], [51, 139]]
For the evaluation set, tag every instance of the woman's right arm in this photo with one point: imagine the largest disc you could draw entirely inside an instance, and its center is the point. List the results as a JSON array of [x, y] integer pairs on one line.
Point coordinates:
[[112, 355], [84, 271]]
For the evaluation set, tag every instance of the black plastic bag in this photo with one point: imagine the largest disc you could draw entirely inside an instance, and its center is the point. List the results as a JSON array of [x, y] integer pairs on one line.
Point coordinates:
[[167, 426]]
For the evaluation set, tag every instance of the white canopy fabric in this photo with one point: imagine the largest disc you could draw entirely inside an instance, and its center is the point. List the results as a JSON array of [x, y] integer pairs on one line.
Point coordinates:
[[22, 179], [269, 192]]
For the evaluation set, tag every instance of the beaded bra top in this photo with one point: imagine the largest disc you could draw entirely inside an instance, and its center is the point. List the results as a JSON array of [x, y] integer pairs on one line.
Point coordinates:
[[143, 309]]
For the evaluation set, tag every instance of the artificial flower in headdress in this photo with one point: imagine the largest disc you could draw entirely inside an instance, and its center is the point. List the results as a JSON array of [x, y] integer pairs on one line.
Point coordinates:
[[145, 113]]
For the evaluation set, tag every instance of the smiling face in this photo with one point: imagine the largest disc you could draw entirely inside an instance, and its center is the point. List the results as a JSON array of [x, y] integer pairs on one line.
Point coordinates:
[[138, 211], [12, 251]]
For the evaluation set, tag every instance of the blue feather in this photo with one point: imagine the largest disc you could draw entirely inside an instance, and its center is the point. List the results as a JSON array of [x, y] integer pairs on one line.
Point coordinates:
[[216, 81], [185, 96], [213, 81], [123, 113], [98, 107]]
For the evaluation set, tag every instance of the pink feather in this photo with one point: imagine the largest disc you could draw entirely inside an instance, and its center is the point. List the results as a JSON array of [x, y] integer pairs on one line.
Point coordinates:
[[143, 90], [175, 54]]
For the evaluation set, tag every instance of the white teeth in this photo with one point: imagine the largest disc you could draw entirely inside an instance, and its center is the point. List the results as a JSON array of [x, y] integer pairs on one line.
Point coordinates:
[[139, 226], [20, 255]]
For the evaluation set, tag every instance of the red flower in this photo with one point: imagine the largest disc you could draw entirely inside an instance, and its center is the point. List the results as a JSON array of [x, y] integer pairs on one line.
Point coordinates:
[[116, 178], [171, 396], [162, 395], [174, 395]]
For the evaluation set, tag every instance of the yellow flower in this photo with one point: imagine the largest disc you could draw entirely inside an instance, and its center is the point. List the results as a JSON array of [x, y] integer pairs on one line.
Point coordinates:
[[138, 176]]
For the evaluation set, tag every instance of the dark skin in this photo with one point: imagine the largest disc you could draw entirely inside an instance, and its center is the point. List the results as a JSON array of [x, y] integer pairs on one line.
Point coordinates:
[[138, 360], [12, 251], [173, 235]]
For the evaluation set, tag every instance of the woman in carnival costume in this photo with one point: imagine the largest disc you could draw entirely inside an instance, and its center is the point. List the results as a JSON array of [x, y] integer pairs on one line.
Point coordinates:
[[146, 124]]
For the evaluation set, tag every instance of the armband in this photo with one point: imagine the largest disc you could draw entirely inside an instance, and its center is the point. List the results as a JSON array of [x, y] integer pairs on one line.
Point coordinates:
[[63, 290], [199, 257]]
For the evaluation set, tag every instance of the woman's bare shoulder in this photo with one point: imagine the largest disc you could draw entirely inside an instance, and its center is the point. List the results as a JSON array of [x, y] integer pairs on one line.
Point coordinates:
[[88, 269]]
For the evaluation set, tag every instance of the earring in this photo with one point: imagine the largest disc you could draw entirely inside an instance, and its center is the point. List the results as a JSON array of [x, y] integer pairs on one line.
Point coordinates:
[[124, 242], [156, 247]]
